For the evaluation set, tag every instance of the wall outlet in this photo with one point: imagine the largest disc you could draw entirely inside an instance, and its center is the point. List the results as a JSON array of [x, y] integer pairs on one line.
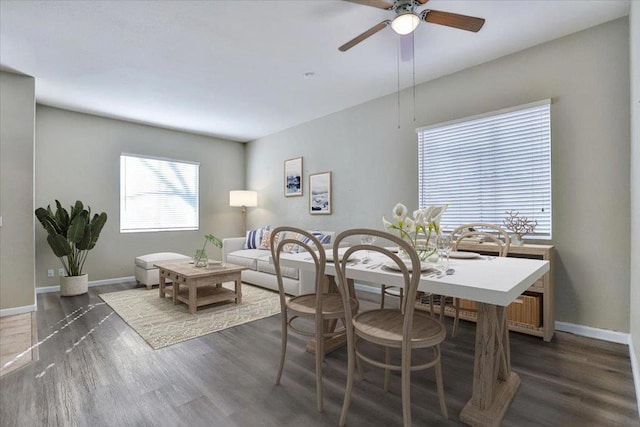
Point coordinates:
[[61, 272], [50, 273]]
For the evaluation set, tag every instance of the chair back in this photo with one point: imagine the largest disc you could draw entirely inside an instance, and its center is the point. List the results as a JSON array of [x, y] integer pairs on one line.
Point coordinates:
[[410, 271], [486, 231], [291, 239]]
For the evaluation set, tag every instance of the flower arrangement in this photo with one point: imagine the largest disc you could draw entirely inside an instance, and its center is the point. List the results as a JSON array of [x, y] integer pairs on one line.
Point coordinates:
[[419, 229]]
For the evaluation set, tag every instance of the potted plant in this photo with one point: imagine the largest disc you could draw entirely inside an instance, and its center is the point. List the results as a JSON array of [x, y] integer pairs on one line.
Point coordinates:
[[71, 235], [201, 259]]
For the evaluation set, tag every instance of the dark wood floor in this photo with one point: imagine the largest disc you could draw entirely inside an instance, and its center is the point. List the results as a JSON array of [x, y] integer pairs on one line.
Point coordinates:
[[96, 371]]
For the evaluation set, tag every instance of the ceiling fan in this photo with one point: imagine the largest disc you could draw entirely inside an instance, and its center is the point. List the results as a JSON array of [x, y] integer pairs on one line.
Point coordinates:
[[407, 19]]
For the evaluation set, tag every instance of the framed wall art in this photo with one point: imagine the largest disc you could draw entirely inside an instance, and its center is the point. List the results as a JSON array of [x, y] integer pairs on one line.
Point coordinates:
[[320, 193], [293, 177]]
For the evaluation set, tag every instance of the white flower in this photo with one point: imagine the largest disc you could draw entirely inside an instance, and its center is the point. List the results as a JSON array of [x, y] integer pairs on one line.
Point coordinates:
[[424, 221], [387, 225], [419, 218], [399, 212]]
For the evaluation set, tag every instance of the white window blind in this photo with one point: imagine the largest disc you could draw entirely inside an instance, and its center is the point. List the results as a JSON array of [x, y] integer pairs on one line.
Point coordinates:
[[158, 194], [484, 166]]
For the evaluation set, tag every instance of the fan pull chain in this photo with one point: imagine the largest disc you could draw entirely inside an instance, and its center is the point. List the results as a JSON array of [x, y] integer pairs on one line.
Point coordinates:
[[399, 53], [413, 63]]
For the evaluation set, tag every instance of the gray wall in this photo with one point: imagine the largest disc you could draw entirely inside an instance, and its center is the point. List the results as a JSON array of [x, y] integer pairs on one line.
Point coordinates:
[[78, 158], [634, 31], [17, 111], [374, 163]]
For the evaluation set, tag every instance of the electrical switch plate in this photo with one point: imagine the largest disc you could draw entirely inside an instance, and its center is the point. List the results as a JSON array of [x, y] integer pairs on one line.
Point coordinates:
[[61, 272], [50, 273]]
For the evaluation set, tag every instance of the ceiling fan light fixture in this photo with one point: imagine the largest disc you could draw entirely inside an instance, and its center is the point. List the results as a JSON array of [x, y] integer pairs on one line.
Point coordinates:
[[405, 23]]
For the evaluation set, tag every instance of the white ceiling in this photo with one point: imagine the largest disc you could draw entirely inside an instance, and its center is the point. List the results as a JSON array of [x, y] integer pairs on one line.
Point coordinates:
[[236, 69]]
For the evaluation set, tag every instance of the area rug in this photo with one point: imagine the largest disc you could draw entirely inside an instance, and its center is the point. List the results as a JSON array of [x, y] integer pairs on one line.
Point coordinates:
[[160, 323]]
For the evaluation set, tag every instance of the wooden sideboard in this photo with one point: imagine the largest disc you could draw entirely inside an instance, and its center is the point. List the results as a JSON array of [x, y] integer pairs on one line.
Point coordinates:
[[545, 287]]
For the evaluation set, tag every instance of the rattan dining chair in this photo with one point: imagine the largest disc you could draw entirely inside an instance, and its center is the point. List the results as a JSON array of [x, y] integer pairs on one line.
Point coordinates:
[[401, 329], [480, 232], [322, 306]]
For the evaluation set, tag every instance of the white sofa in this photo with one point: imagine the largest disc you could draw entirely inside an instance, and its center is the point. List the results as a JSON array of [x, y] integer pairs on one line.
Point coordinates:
[[261, 272]]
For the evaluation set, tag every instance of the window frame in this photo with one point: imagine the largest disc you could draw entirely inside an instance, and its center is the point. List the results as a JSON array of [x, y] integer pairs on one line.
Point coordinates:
[[544, 160], [163, 228]]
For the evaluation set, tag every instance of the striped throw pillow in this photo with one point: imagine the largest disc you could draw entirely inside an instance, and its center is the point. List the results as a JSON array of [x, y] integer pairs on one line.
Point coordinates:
[[253, 239]]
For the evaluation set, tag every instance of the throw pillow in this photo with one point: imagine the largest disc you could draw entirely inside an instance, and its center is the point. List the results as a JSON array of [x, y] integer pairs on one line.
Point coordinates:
[[266, 240], [253, 239], [324, 238]]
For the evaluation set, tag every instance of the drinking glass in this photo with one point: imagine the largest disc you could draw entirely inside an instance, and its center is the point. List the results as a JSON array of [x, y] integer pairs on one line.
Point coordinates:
[[367, 239], [443, 245]]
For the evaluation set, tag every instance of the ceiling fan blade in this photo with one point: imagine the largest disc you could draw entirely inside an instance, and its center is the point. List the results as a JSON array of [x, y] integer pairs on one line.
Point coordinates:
[[454, 20], [371, 31], [380, 4]]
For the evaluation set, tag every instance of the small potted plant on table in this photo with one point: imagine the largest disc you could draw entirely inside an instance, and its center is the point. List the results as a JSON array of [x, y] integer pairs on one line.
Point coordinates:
[[201, 259]]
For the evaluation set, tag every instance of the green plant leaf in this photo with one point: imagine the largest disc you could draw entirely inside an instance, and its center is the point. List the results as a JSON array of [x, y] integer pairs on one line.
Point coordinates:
[[59, 245], [76, 229], [97, 222], [214, 240]]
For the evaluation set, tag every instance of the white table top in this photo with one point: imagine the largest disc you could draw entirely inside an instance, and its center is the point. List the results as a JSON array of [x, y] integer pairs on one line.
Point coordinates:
[[489, 280]]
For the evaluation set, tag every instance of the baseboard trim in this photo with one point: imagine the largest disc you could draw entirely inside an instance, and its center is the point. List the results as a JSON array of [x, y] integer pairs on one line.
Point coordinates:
[[635, 369], [47, 289], [18, 310], [589, 332]]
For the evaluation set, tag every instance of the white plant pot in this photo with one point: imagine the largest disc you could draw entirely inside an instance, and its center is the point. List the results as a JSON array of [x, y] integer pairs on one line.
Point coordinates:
[[73, 285]]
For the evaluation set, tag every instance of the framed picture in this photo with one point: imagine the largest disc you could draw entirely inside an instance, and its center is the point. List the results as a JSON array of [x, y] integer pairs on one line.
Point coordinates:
[[293, 177], [320, 193]]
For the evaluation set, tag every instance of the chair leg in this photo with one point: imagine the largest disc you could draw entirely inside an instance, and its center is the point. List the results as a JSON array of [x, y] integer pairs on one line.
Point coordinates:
[[456, 318], [443, 301], [283, 346], [401, 295], [358, 362], [387, 371], [431, 312], [439, 384], [351, 360], [383, 290], [319, 360], [406, 387]]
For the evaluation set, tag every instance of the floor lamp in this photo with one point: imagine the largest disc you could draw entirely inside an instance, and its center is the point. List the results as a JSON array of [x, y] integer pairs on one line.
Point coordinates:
[[243, 199]]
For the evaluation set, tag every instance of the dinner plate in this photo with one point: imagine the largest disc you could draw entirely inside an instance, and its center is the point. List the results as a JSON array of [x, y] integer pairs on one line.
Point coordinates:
[[464, 255], [423, 266]]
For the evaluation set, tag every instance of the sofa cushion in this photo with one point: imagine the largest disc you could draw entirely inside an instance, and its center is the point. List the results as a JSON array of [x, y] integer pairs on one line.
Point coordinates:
[[246, 257], [266, 266], [147, 261], [253, 239]]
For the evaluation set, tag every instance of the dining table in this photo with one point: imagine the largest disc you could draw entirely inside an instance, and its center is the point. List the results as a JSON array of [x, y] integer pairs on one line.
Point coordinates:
[[493, 282]]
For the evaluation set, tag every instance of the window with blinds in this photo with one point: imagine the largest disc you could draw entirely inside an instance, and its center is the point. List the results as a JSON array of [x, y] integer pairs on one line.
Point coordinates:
[[484, 166], [158, 194]]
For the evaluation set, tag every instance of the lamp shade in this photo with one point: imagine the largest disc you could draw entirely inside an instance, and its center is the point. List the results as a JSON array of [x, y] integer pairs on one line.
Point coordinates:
[[243, 198], [405, 23]]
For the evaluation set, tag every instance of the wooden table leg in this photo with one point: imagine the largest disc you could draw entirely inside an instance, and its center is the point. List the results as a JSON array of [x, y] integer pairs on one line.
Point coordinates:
[[338, 341], [494, 384], [238, 289], [191, 285], [161, 285]]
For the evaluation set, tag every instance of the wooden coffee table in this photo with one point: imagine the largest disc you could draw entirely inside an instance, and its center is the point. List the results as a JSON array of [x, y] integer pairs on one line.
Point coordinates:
[[197, 286]]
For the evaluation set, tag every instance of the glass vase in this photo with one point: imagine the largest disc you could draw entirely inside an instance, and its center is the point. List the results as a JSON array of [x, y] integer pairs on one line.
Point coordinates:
[[200, 259], [426, 248]]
